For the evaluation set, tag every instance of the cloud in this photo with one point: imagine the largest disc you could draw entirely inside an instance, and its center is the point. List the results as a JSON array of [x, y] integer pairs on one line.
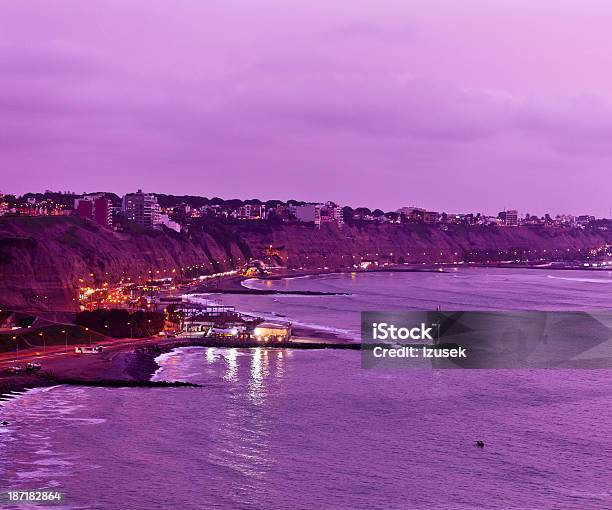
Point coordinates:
[[56, 91], [372, 31], [53, 59], [291, 114]]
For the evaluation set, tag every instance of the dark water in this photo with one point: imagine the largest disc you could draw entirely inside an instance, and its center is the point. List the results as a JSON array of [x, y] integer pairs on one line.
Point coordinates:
[[299, 429], [463, 289]]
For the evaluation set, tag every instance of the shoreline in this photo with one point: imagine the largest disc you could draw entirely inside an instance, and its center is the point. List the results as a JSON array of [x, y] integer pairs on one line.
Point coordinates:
[[132, 362], [233, 284]]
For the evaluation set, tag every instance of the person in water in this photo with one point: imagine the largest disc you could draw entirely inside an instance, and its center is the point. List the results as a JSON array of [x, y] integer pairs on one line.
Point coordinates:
[[480, 444]]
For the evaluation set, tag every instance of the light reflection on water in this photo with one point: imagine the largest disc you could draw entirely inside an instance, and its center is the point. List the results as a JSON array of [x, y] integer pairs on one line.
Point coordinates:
[[231, 359], [256, 384], [274, 429]]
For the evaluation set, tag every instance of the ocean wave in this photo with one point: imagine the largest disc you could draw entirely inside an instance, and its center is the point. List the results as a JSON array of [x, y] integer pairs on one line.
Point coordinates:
[[251, 283], [582, 280]]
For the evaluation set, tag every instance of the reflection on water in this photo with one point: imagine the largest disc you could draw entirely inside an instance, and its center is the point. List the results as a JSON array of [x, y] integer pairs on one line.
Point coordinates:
[[309, 429], [264, 364], [258, 369], [231, 358], [279, 365]]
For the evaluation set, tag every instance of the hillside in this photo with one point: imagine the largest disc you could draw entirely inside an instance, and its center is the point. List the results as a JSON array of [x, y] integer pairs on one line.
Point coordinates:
[[44, 259]]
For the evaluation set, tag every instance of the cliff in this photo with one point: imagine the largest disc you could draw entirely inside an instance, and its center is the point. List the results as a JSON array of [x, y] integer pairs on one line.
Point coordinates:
[[44, 260]]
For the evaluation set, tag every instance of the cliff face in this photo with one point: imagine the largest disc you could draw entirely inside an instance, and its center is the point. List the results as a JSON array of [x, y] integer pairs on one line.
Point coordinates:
[[302, 246], [43, 261]]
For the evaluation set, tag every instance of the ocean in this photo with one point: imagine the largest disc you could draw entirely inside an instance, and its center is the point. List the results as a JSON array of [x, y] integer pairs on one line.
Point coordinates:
[[277, 429]]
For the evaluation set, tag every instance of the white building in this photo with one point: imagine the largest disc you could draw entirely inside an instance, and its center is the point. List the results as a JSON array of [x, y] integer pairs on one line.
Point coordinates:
[[329, 212], [164, 219]]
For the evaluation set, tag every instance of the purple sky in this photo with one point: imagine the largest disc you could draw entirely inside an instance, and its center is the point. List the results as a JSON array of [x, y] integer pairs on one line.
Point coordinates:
[[453, 105]]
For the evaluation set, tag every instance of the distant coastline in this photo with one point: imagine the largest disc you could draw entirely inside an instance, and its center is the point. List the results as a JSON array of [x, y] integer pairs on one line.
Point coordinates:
[[44, 261]]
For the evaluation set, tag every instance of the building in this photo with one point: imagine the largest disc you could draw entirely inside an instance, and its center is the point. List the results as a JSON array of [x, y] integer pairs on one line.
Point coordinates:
[[272, 332], [512, 218], [331, 213], [414, 214], [509, 218], [141, 208], [308, 213], [566, 220], [368, 264], [430, 217], [164, 220], [584, 220], [95, 207], [252, 212]]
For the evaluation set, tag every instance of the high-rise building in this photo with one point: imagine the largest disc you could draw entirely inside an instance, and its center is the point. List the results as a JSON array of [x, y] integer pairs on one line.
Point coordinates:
[[3, 205], [329, 212], [511, 218], [141, 208], [95, 207], [332, 212], [308, 213]]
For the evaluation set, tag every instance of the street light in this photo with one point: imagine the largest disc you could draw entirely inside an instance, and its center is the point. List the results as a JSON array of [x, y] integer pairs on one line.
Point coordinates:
[[17, 344], [66, 338], [87, 329], [44, 341]]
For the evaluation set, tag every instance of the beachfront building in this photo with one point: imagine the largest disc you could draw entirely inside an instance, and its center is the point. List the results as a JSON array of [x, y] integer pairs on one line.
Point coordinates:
[[201, 319], [368, 264], [272, 332]]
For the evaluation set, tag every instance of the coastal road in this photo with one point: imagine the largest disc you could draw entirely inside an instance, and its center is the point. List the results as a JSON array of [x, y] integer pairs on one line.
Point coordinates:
[[111, 346]]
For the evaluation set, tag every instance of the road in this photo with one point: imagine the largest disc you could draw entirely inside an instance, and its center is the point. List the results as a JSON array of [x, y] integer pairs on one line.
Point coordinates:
[[59, 351]]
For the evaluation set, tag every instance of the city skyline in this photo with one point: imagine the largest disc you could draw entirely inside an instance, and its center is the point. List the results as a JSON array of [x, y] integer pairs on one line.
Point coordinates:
[[322, 200], [455, 107]]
